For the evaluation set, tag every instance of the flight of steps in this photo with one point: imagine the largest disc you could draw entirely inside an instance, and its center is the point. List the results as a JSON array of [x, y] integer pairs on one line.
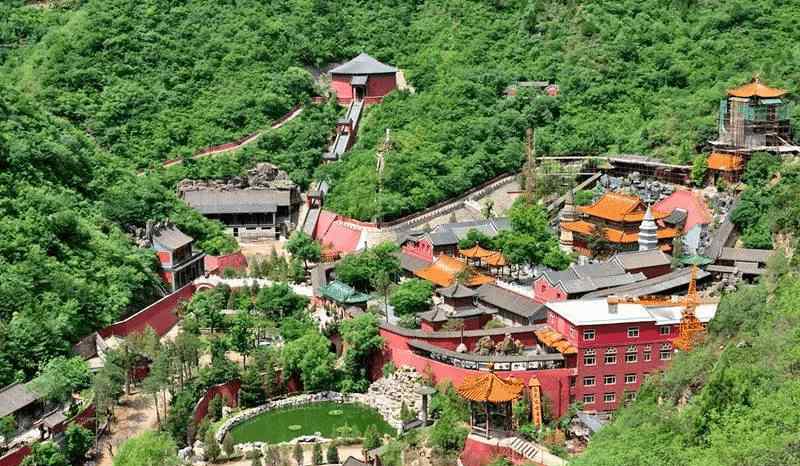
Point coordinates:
[[524, 448]]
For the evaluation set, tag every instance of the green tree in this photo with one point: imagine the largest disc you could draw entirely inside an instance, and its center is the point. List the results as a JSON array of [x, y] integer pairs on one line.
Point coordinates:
[[212, 446], [61, 377], [332, 454], [215, 407], [372, 438], [252, 391], [279, 301], [699, 169], [77, 442], [362, 339], [241, 335], [45, 454], [412, 296], [316, 454], [301, 246], [8, 426], [149, 448], [310, 358], [228, 445], [530, 240]]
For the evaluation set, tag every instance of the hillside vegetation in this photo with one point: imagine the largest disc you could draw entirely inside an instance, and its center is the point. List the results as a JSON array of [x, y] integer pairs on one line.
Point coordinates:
[[153, 80]]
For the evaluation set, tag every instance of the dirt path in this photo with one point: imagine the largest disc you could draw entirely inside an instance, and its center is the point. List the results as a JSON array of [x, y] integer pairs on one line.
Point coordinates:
[[135, 416]]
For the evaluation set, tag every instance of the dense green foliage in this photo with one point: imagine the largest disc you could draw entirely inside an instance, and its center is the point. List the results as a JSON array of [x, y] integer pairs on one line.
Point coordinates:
[[768, 204], [412, 296], [155, 80], [727, 402], [148, 449]]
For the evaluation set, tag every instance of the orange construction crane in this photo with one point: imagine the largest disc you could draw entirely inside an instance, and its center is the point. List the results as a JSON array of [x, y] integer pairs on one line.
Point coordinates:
[[691, 330]]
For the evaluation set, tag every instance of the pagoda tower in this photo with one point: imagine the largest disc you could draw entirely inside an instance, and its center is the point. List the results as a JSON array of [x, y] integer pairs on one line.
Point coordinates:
[[648, 232]]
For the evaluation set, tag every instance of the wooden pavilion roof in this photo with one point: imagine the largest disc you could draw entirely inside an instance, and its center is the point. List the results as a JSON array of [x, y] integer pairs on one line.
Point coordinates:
[[444, 270], [488, 387], [756, 88], [555, 340], [496, 259], [475, 252]]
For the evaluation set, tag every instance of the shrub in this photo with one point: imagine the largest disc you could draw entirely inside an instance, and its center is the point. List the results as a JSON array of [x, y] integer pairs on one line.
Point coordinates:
[[212, 447], [228, 445], [316, 454], [332, 454]]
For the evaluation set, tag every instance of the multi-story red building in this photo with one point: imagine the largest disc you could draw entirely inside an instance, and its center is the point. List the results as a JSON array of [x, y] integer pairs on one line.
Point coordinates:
[[618, 344]]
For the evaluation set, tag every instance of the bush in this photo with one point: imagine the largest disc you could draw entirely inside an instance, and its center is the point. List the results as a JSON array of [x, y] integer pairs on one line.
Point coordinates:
[[332, 454], [388, 369], [227, 444], [215, 407], [212, 447], [316, 454], [372, 438]]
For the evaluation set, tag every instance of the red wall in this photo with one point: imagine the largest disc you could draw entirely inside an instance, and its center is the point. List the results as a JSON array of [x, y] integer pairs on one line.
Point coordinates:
[[229, 392], [378, 85], [477, 453], [651, 272], [14, 458], [544, 292], [555, 382], [218, 264], [160, 316]]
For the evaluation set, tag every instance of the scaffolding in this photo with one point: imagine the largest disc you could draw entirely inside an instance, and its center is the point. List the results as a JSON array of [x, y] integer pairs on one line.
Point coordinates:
[[754, 124]]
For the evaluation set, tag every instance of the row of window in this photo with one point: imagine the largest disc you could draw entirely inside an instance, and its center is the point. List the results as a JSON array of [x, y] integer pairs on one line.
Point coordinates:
[[610, 397], [609, 379], [631, 355], [590, 334]]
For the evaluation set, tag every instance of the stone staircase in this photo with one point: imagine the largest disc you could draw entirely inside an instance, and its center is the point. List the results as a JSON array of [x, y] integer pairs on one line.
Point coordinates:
[[524, 448]]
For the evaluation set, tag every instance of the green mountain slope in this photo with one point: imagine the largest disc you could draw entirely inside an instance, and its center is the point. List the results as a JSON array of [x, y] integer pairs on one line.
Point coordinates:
[[153, 80]]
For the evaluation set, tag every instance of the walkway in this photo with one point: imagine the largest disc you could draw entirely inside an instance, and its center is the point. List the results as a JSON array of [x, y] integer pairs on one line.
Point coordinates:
[[135, 416], [214, 281], [238, 144]]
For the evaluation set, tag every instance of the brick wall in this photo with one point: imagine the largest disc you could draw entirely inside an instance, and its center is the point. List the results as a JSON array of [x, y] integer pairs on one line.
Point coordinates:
[[160, 316], [229, 392]]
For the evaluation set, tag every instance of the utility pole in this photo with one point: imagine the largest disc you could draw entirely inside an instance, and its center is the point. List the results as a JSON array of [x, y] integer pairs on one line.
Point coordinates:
[[530, 172], [380, 163]]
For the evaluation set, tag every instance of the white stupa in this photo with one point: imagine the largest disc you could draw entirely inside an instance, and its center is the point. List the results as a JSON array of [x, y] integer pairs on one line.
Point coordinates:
[[648, 232]]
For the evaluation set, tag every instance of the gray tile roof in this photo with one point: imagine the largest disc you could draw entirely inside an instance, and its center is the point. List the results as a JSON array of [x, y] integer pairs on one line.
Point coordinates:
[[311, 221], [171, 237], [676, 217], [600, 269], [350, 461], [237, 202], [363, 64], [641, 259], [456, 291], [15, 397], [509, 301], [745, 255], [442, 238], [411, 263], [653, 286]]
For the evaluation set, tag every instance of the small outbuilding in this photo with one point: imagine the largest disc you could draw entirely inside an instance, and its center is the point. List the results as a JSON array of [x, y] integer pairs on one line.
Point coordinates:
[[363, 78]]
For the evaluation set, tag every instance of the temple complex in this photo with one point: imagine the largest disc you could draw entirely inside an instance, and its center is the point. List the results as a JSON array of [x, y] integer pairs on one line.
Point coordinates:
[[617, 219]]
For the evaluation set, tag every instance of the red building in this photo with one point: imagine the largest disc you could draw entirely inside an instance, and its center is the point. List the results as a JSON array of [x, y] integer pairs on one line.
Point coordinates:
[[180, 262], [363, 78], [618, 344], [577, 280]]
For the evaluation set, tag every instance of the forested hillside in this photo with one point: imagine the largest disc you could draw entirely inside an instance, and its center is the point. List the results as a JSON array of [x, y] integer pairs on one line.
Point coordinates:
[[153, 80]]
